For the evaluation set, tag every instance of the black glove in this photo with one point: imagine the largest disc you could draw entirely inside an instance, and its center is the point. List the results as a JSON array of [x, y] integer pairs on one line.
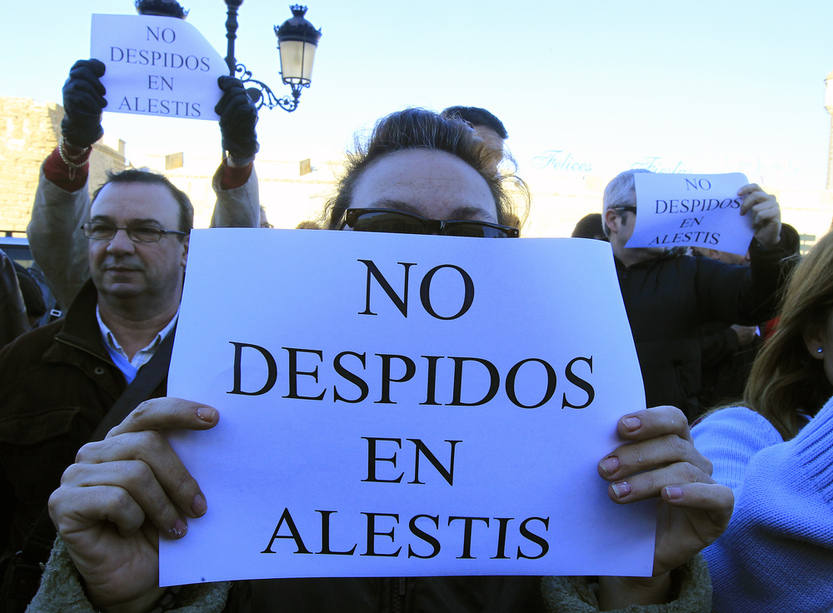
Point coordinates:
[[238, 117], [83, 101]]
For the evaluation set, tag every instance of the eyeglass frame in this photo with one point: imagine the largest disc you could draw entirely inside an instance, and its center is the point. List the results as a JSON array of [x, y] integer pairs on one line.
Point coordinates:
[[438, 224], [128, 230], [623, 207]]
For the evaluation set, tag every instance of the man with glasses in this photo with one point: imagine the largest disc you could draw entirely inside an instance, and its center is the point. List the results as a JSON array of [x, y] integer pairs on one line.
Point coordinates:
[[60, 380], [668, 296], [62, 200]]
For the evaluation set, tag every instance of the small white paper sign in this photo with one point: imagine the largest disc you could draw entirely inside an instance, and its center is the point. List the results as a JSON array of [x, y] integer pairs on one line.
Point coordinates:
[[395, 405], [158, 66], [677, 210]]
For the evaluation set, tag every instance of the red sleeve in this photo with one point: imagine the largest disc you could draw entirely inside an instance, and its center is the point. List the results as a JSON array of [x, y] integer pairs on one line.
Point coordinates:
[[235, 177], [58, 173]]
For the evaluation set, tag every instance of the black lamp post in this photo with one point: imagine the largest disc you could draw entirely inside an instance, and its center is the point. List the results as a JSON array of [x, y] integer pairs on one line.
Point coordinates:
[[297, 41]]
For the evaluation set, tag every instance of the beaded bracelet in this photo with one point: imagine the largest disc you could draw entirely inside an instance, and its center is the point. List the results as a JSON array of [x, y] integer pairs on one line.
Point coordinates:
[[65, 158]]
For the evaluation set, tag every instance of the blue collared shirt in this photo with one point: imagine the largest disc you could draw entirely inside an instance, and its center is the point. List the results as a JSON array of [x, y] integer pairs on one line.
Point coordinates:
[[129, 367]]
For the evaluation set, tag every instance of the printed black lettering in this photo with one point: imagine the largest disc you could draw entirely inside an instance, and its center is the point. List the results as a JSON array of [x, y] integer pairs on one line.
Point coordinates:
[[421, 448], [350, 376], [372, 534], [503, 523], [294, 372], [431, 380], [410, 370], [325, 536], [400, 303], [512, 375], [372, 458], [425, 292], [535, 538], [580, 383], [272, 369], [293, 534], [457, 392], [467, 530], [424, 536]]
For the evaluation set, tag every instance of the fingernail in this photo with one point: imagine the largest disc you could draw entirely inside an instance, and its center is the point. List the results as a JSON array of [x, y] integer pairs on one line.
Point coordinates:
[[673, 493], [631, 423], [179, 529], [621, 489], [198, 506], [610, 465], [207, 414]]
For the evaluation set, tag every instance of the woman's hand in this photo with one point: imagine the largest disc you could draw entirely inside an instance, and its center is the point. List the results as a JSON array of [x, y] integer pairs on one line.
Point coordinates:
[[121, 494], [765, 212], [658, 460]]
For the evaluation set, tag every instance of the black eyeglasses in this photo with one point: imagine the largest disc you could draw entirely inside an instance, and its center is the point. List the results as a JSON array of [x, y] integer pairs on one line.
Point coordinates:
[[142, 232], [399, 222], [629, 208]]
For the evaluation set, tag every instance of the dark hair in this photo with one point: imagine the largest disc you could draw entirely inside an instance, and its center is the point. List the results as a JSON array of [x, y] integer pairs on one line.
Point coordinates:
[[785, 379], [476, 116], [133, 175], [421, 129], [590, 226]]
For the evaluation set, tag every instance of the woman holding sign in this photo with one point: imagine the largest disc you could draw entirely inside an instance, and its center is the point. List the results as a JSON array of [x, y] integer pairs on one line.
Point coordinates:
[[776, 453], [419, 174]]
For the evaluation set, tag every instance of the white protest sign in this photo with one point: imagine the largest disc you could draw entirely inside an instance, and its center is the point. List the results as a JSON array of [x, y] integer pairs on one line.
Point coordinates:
[[676, 210], [158, 66], [395, 405]]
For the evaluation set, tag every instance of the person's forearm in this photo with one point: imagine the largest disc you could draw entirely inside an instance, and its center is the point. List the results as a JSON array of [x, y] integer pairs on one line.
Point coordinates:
[[238, 201]]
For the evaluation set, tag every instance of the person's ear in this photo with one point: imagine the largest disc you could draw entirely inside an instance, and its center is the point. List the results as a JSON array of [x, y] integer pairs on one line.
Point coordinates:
[[814, 341], [185, 244], [613, 221]]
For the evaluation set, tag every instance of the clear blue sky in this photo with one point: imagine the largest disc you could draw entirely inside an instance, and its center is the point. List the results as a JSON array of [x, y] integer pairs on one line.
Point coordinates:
[[716, 84]]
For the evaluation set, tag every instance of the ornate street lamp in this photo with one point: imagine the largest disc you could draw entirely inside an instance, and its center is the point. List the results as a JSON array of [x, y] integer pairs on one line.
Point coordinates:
[[297, 41]]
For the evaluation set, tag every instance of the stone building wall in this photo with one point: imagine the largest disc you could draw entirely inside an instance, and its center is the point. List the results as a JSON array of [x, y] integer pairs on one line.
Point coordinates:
[[29, 132]]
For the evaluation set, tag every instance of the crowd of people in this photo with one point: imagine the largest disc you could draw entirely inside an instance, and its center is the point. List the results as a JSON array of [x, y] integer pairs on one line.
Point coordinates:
[[90, 482]]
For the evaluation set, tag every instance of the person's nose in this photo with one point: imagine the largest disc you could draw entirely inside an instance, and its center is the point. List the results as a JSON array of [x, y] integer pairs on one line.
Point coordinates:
[[120, 243]]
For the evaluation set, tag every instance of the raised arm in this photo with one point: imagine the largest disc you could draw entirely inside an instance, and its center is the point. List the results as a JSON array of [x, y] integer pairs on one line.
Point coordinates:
[[62, 201], [235, 183], [740, 294]]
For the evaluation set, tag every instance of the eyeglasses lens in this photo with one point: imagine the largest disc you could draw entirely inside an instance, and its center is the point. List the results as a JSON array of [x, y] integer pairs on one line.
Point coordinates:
[[471, 229], [404, 223], [387, 221]]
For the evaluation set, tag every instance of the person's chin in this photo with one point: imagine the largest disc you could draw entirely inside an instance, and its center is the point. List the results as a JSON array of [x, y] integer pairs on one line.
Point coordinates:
[[121, 289]]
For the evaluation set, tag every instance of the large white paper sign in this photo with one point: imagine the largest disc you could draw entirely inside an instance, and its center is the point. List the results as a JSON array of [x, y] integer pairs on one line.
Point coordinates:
[[676, 210], [156, 66], [395, 405]]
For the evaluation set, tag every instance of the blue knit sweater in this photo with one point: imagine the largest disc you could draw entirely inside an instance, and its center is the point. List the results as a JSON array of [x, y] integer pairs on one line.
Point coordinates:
[[777, 553]]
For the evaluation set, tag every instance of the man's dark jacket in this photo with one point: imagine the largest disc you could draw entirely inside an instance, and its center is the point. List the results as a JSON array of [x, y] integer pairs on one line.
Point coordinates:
[[56, 383], [667, 298]]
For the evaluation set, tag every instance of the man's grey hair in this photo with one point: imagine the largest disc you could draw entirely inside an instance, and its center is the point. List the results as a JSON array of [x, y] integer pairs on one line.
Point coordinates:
[[621, 190]]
